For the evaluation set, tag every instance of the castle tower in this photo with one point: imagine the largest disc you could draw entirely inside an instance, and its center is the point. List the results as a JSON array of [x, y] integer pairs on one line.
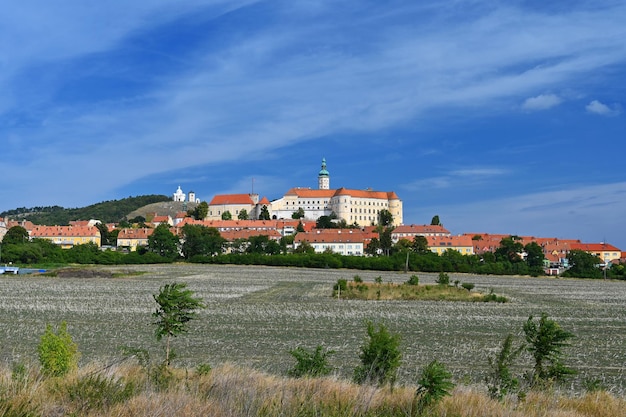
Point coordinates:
[[323, 178]]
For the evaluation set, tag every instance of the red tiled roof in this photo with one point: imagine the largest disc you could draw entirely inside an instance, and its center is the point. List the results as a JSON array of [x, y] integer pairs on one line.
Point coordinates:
[[64, 231], [419, 229], [231, 235], [595, 247], [142, 233], [225, 199]]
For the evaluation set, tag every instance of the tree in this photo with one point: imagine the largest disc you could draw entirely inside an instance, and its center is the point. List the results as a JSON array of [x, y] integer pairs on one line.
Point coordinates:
[[546, 339], [163, 242], [58, 354], [298, 214], [201, 211], [435, 221], [226, 215], [265, 214], [386, 242], [263, 244], [300, 227], [201, 240], [312, 364], [104, 234], [380, 357], [534, 257], [373, 247], [583, 265], [304, 247], [15, 236], [324, 222], [385, 218], [510, 249], [176, 307], [243, 214], [420, 244]]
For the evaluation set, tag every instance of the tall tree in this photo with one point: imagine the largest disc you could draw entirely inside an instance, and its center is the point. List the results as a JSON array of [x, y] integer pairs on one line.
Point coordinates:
[[163, 242], [265, 214], [104, 234], [534, 256], [583, 265], [510, 249], [420, 244], [385, 218]]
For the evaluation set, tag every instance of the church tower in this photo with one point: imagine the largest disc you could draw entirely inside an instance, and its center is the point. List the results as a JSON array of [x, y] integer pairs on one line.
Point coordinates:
[[323, 178]]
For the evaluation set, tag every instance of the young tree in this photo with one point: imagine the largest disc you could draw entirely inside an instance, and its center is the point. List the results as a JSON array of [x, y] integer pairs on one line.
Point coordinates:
[[226, 215], [434, 384], [58, 354], [163, 242], [380, 357], [546, 339], [500, 381], [176, 307], [435, 221]]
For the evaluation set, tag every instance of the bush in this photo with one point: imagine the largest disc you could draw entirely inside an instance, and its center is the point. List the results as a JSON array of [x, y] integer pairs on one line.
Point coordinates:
[[433, 385], [443, 279], [414, 280], [203, 369], [58, 354], [358, 279], [98, 392], [500, 381], [468, 286], [340, 286], [311, 364], [380, 357]]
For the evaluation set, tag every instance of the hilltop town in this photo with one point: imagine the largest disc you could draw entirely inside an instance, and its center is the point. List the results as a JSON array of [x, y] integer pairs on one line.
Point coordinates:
[[324, 220]]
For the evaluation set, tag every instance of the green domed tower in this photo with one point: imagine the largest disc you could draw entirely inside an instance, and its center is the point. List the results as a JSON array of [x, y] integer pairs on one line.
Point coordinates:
[[323, 178]]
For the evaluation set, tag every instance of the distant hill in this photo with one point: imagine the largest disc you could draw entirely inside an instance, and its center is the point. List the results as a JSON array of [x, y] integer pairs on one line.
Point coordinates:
[[163, 208], [111, 211]]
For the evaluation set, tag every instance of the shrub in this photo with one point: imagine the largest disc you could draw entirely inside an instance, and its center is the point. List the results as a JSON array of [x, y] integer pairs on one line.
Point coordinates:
[[378, 280], [357, 279], [310, 363], [380, 357], [99, 392], [433, 384], [468, 286], [413, 280], [546, 339], [58, 354], [443, 279], [500, 381], [340, 286], [203, 369]]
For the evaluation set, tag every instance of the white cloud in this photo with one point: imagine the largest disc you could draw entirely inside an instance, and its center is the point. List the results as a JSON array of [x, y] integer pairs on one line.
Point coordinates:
[[596, 107], [542, 102]]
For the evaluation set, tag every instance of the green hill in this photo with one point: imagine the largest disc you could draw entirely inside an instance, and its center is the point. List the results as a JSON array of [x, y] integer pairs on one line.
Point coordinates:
[[111, 211]]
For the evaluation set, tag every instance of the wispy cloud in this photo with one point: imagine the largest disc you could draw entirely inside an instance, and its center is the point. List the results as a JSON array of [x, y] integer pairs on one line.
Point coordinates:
[[542, 102], [455, 177], [596, 107]]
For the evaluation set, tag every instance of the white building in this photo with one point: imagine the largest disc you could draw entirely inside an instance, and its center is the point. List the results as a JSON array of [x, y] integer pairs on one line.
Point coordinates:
[[179, 195]]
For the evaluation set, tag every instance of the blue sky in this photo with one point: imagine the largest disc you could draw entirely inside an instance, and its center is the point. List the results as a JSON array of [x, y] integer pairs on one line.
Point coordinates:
[[498, 116]]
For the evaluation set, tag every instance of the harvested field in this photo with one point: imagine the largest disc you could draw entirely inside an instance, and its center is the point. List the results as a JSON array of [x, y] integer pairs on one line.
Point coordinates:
[[255, 315]]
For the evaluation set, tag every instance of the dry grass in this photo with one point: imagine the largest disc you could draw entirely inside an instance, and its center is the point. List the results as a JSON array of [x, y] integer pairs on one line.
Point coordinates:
[[234, 391]]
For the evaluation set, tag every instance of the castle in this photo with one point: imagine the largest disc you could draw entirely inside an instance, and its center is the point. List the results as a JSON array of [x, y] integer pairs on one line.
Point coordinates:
[[360, 207]]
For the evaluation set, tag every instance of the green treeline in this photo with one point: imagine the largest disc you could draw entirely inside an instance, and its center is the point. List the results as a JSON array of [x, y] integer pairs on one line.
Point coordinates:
[[112, 211]]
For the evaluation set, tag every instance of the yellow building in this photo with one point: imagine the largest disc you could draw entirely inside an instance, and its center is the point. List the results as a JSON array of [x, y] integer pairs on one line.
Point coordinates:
[[66, 236]]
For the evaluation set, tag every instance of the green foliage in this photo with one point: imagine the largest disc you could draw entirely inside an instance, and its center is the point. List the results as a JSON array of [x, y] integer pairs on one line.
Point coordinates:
[[380, 357], [226, 215], [357, 279], [201, 240], [304, 247], [341, 286], [15, 235], [163, 242], [583, 265], [510, 249], [108, 211], [58, 354], [385, 218], [435, 221], [420, 244], [96, 392], [546, 339], [443, 279], [433, 385], [310, 364], [378, 280], [243, 215], [468, 286], [500, 380], [203, 369], [298, 214], [413, 280], [176, 307], [265, 214], [201, 211], [262, 244]]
